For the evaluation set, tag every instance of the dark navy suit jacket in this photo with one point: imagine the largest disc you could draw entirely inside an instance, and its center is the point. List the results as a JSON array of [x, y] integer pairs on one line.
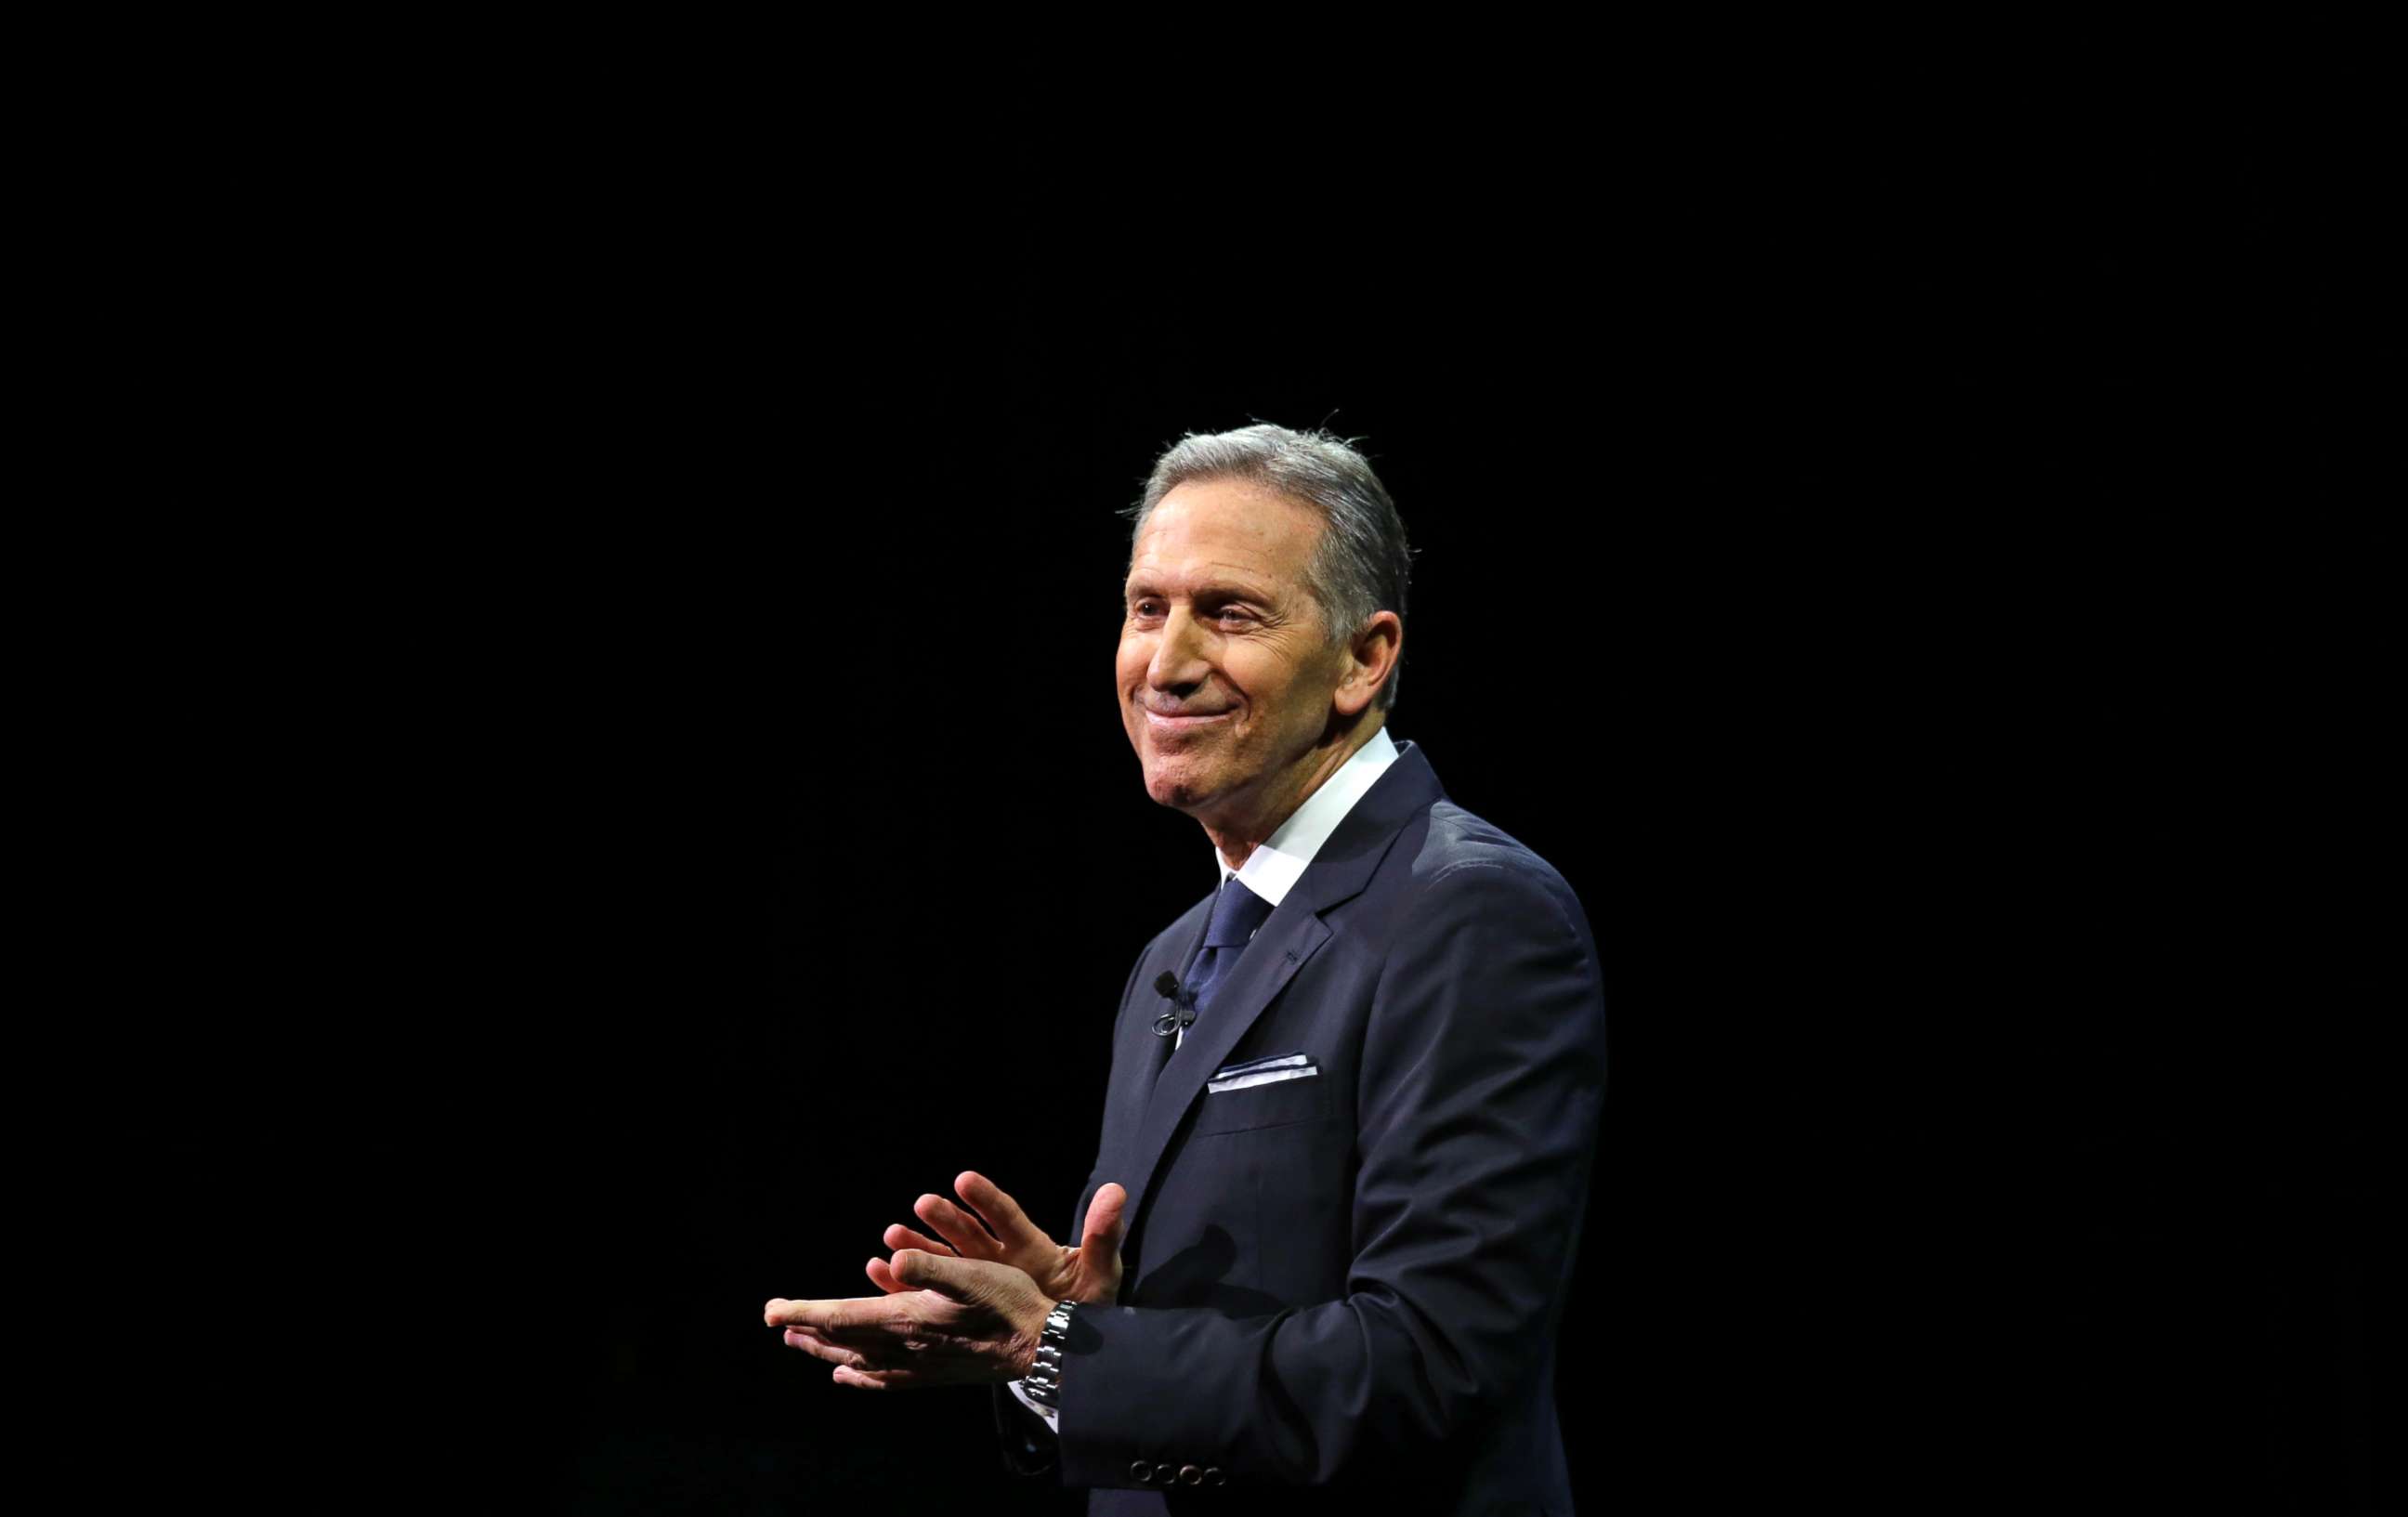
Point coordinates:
[[1347, 1281]]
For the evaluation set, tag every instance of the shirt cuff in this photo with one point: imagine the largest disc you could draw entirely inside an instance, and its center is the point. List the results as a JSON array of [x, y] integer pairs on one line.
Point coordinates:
[[1052, 1417]]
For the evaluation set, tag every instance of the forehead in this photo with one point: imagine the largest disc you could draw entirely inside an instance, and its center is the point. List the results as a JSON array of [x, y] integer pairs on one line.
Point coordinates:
[[1212, 529]]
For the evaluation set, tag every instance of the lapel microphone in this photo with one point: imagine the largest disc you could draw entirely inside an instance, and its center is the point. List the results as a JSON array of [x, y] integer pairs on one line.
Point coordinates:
[[1182, 1005]]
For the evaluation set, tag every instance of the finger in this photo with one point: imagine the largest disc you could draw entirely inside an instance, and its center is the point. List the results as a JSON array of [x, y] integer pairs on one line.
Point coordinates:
[[957, 1278], [876, 1380], [820, 1349], [853, 1316], [956, 1226], [883, 1277], [1002, 1214], [804, 1338], [900, 1236]]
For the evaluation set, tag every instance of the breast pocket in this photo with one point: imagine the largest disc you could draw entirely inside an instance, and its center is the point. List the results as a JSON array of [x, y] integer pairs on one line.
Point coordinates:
[[1240, 1100]]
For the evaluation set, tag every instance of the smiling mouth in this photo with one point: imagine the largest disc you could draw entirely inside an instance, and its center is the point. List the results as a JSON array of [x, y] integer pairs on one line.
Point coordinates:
[[1164, 722]]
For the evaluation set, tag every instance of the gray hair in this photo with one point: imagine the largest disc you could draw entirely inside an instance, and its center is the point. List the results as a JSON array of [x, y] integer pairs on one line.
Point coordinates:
[[1361, 564]]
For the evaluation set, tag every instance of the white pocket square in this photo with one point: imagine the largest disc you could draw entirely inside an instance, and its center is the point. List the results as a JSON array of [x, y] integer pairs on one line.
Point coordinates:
[[1237, 1077]]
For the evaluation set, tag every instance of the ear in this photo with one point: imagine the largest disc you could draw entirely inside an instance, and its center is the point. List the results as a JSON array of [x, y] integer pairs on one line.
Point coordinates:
[[1371, 656]]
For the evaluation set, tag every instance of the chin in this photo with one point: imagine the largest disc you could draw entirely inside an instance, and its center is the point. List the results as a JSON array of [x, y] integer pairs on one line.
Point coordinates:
[[1174, 785]]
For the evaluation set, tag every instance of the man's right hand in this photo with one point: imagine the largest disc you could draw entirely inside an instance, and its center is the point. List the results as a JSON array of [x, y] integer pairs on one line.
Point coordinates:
[[1088, 1274]]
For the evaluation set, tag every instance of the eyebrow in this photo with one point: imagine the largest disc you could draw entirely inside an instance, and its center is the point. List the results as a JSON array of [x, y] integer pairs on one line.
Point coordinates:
[[1208, 590]]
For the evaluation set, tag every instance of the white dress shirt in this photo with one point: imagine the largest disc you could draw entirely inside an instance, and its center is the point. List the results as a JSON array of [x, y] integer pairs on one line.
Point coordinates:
[[1272, 869], [1277, 863]]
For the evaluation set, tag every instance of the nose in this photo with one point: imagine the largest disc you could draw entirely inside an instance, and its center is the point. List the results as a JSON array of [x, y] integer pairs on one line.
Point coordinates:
[[1177, 662]]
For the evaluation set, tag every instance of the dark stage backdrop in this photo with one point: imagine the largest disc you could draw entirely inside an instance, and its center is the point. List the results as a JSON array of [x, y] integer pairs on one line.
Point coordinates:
[[1909, 579]]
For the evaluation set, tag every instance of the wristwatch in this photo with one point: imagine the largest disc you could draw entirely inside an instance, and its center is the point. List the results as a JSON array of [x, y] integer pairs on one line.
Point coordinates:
[[1044, 1381]]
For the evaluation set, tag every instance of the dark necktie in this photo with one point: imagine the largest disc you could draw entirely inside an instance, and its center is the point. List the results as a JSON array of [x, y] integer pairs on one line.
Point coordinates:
[[1234, 917]]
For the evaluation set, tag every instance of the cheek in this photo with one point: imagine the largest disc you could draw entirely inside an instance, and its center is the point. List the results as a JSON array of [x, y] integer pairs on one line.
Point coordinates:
[[1272, 689], [1135, 653]]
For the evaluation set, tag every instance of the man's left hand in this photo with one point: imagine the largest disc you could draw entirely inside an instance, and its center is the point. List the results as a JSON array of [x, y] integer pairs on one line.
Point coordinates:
[[957, 1322]]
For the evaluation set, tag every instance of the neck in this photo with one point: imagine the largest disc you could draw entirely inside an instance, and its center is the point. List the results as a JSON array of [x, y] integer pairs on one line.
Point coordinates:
[[1238, 833]]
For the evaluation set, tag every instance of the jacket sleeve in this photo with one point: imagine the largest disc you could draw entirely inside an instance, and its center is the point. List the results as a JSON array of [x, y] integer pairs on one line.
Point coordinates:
[[1028, 1444], [1480, 1083]]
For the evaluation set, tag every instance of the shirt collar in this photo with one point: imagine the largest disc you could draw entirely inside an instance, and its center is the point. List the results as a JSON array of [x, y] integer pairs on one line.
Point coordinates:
[[1274, 867]]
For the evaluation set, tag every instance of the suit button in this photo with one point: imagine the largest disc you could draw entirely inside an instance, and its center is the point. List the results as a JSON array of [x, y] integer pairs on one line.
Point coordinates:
[[1216, 1475], [1191, 1474], [1141, 1473]]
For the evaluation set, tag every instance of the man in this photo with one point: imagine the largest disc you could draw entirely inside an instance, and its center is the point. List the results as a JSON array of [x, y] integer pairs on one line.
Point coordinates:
[[1355, 1091]]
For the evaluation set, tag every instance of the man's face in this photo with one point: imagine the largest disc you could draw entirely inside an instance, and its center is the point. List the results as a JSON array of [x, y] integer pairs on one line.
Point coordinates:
[[1225, 674]]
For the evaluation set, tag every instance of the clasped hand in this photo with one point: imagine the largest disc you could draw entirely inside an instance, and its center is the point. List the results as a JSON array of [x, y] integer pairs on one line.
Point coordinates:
[[967, 1309]]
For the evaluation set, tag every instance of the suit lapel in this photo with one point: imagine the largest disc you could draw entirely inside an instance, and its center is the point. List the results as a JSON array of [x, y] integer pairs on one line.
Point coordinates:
[[1137, 1055], [1290, 935], [1278, 949]]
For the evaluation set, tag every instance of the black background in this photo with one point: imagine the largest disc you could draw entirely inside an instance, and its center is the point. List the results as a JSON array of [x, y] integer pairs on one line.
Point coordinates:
[[1910, 573]]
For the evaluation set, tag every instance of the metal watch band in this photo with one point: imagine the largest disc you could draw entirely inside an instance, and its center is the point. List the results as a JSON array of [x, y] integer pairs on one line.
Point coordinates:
[[1044, 1381]]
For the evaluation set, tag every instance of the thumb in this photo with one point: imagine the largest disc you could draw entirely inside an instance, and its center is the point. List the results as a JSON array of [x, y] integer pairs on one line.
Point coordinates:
[[940, 1272], [1102, 1233]]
